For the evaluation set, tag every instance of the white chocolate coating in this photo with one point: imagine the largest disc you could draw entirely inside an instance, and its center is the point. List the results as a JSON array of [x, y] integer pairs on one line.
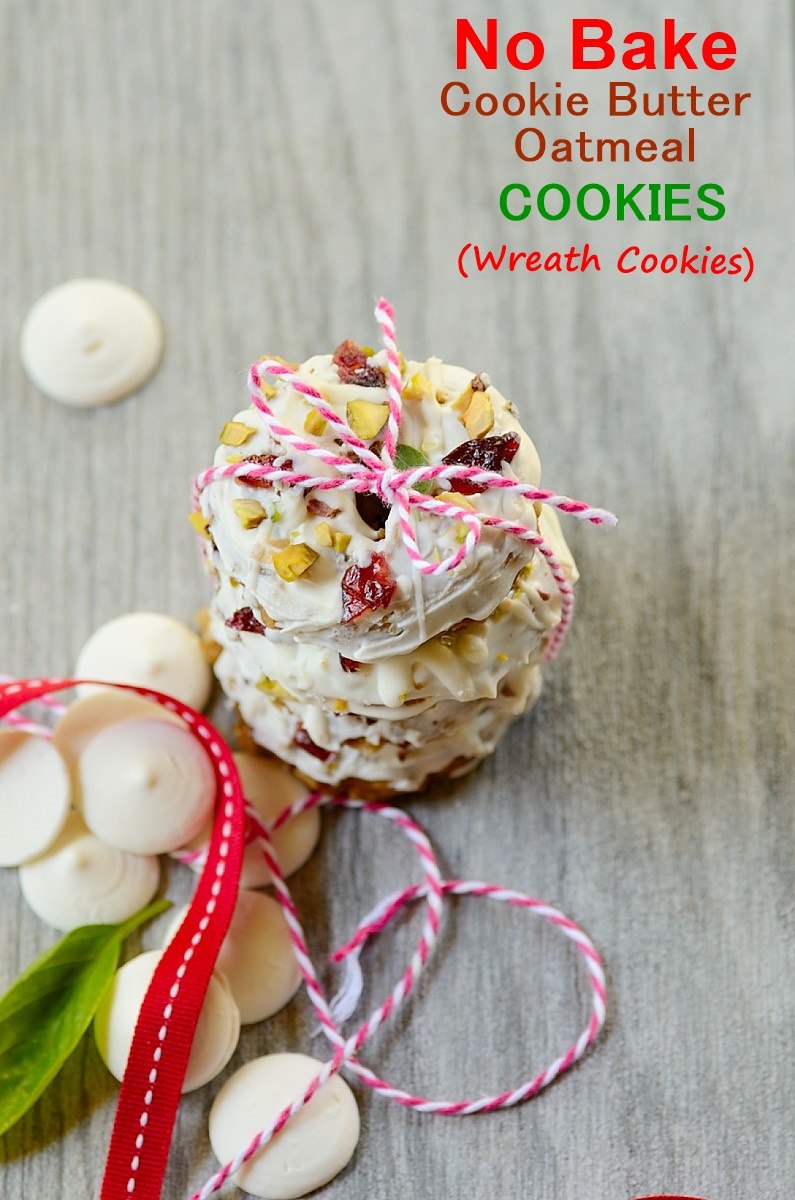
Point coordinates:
[[146, 786], [462, 664], [310, 608], [448, 739], [314, 1146], [90, 342], [34, 796], [80, 880], [217, 1030], [149, 650], [270, 788], [256, 956]]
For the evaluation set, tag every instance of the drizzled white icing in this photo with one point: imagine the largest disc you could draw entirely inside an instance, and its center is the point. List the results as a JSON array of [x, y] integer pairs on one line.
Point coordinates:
[[447, 738], [464, 664]]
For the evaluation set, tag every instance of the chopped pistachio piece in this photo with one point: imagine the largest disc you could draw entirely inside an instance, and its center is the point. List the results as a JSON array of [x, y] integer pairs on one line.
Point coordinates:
[[366, 419], [200, 523], [272, 688], [418, 388], [326, 536], [235, 433], [456, 498], [249, 513], [478, 418], [314, 423], [323, 533], [293, 561], [463, 399]]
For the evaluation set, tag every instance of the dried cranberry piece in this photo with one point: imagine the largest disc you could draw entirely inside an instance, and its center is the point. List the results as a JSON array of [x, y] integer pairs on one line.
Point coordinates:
[[363, 376], [245, 621], [303, 740], [487, 454], [366, 589], [350, 665], [372, 509], [349, 355], [351, 363], [262, 460], [316, 508]]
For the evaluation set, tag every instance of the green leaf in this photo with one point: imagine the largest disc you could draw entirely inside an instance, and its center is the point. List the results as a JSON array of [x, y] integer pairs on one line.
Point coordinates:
[[407, 458], [45, 1013]]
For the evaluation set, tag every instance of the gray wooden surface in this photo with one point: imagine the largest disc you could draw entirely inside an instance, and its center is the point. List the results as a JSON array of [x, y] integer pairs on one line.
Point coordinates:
[[262, 172]]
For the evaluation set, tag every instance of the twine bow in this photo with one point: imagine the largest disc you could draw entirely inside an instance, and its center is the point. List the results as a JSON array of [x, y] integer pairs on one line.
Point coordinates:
[[366, 471]]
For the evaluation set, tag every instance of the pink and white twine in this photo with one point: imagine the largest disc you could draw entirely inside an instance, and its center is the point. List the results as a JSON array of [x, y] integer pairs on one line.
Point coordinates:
[[367, 471], [346, 1049]]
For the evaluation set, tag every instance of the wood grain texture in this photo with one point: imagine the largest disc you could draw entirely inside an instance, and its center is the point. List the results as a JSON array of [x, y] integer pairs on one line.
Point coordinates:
[[262, 172]]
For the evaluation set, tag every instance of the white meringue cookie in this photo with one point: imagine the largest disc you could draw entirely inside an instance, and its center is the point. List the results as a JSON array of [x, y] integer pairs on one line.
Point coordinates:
[[217, 1031], [80, 880], [318, 1142], [256, 957], [145, 786], [270, 788], [90, 342], [149, 650], [34, 796]]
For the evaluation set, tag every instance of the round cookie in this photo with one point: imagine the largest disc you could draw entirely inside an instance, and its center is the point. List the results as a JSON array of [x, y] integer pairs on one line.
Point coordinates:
[[341, 750], [149, 650], [310, 1151], [315, 604], [217, 1031], [256, 957], [467, 662], [91, 342], [146, 786], [80, 880], [34, 796]]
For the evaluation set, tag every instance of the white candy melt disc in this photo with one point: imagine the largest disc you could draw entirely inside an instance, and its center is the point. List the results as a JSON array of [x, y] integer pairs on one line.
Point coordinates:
[[145, 786], [256, 957], [87, 717], [34, 796], [217, 1031], [312, 1148], [270, 788], [80, 880], [91, 342], [149, 650]]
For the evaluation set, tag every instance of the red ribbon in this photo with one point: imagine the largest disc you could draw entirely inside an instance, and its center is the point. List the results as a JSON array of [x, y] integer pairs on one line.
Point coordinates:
[[149, 1096]]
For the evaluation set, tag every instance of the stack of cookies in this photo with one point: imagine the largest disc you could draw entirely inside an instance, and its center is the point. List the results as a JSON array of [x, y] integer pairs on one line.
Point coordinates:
[[343, 659]]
